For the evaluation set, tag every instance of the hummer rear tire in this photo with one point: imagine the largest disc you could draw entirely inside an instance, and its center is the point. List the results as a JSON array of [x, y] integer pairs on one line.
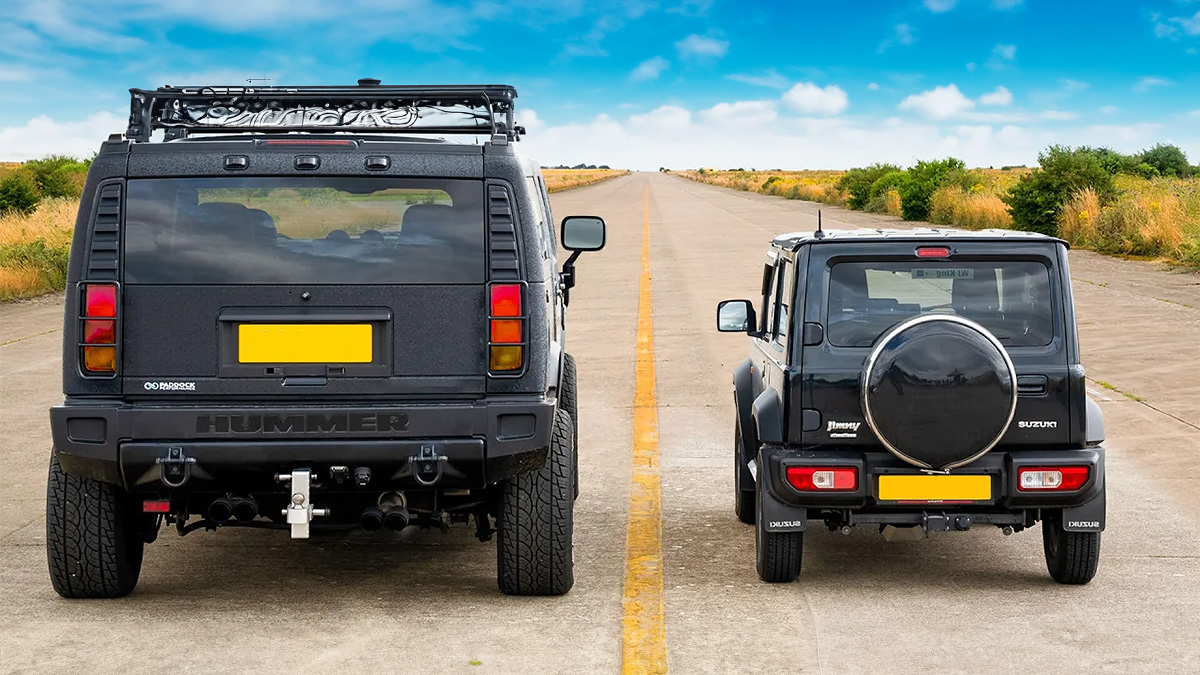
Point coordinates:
[[533, 542], [93, 544]]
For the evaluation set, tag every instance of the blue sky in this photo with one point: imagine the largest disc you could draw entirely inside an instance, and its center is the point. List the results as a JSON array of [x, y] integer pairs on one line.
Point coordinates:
[[644, 84]]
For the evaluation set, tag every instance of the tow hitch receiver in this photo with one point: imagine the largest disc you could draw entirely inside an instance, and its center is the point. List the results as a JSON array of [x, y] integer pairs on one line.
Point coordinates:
[[300, 511]]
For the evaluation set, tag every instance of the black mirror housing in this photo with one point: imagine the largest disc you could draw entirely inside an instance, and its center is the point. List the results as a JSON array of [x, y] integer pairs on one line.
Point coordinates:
[[583, 233], [736, 316]]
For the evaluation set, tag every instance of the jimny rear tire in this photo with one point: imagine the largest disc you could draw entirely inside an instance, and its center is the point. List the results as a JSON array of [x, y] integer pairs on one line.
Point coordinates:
[[535, 524], [1071, 557], [743, 496], [777, 554]]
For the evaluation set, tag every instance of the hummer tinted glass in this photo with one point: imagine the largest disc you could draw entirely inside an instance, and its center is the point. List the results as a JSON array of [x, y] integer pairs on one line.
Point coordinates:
[[319, 230]]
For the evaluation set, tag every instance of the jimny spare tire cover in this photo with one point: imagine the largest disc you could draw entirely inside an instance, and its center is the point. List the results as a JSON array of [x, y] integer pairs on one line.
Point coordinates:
[[939, 391]]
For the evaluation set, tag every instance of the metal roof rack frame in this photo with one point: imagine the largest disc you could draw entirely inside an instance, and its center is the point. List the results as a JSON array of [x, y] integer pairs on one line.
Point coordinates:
[[367, 108]]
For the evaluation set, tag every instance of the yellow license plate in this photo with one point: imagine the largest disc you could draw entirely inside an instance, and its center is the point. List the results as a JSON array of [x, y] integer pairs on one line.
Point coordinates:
[[305, 343], [935, 488]]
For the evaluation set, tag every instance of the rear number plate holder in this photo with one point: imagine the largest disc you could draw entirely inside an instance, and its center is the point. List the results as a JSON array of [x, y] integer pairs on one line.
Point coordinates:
[[928, 488]]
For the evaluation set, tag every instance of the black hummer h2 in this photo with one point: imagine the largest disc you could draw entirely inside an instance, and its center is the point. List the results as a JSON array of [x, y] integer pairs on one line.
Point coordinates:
[[917, 381], [301, 308]]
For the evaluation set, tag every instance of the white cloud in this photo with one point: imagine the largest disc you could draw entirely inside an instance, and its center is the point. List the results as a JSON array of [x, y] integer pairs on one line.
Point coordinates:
[[940, 5], [770, 78], [662, 118], [809, 99], [1000, 96], [43, 136], [1006, 52], [1145, 84], [938, 103], [740, 113], [649, 69], [873, 86], [696, 47], [1058, 115], [902, 34]]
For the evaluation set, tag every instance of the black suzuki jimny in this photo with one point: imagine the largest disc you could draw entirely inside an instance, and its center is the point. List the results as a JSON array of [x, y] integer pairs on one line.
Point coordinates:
[[300, 307], [916, 381]]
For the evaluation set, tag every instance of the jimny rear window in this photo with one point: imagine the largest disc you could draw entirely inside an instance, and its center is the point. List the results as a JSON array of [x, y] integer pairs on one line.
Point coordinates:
[[319, 230]]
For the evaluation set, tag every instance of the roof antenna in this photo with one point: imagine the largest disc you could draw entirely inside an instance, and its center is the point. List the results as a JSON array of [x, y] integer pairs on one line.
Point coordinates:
[[820, 233]]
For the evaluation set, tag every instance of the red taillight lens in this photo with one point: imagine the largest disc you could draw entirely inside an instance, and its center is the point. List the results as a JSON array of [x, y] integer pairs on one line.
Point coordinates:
[[933, 252], [823, 478], [1052, 478], [506, 331], [99, 331], [100, 300], [506, 300]]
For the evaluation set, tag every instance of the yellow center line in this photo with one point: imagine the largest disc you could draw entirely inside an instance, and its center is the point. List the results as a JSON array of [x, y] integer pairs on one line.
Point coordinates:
[[643, 644]]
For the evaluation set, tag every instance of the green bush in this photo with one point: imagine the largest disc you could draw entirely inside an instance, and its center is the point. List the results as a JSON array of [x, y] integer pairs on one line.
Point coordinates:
[[1035, 201], [18, 193], [885, 184], [921, 181], [857, 183], [1167, 159], [58, 175]]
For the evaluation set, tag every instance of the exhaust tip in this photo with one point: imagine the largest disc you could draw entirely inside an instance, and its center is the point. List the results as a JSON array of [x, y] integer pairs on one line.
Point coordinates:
[[245, 510], [220, 510], [371, 519], [396, 518]]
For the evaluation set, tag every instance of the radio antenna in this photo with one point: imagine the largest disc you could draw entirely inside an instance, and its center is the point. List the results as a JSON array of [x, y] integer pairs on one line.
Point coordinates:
[[820, 233]]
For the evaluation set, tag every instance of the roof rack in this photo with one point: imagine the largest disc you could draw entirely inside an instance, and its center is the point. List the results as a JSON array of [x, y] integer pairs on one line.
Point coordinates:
[[370, 106]]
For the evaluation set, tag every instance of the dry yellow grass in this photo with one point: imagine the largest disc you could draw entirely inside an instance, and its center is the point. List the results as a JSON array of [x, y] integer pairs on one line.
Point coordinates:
[[52, 222], [1159, 218], [558, 180]]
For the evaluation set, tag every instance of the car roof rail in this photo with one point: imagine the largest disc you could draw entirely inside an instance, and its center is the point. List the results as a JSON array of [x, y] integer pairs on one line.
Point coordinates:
[[372, 107]]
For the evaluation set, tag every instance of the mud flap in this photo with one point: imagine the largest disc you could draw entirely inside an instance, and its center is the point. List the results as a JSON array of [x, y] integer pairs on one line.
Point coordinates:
[[1087, 517], [775, 515]]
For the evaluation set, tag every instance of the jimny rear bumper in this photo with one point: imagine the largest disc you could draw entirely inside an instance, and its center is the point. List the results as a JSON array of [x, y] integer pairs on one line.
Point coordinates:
[[786, 508], [463, 444]]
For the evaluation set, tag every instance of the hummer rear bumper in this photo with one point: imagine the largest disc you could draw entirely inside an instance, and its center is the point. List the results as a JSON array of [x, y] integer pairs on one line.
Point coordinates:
[[475, 442]]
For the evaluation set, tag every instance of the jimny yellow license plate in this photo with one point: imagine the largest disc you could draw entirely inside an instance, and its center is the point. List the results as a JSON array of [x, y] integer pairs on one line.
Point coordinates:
[[926, 488], [305, 343]]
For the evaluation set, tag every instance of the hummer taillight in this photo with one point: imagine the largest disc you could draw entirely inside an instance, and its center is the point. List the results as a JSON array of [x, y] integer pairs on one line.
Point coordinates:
[[98, 327], [506, 329]]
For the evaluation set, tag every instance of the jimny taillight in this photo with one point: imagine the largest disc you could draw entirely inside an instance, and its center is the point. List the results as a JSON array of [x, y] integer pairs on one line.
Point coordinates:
[[506, 328], [98, 328], [823, 478], [1051, 478]]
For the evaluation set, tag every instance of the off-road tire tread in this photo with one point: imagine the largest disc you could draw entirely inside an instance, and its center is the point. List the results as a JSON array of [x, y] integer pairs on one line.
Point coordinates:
[[1078, 553], [778, 554], [92, 546], [569, 401], [533, 541]]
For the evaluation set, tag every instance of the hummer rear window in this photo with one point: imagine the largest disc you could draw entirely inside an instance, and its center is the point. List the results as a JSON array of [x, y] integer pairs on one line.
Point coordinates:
[[320, 230], [1011, 298]]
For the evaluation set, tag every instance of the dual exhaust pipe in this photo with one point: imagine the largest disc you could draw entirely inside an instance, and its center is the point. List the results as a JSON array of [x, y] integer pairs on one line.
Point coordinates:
[[391, 512], [244, 509]]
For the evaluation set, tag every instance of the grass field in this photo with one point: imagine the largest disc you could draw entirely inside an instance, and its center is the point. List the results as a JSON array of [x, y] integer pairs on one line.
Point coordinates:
[[1156, 218], [558, 180], [34, 249]]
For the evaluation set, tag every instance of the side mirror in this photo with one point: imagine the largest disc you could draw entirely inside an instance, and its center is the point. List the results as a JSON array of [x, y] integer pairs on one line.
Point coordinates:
[[736, 316], [583, 233]]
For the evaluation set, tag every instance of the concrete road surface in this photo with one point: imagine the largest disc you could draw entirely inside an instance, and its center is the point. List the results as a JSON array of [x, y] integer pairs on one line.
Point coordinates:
[[423, 602]]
